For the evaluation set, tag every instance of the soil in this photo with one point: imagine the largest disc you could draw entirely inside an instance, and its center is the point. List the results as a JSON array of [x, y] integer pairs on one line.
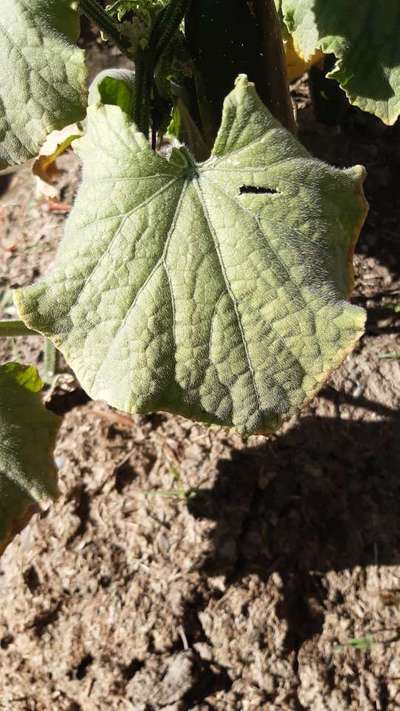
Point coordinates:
[[184, 568]]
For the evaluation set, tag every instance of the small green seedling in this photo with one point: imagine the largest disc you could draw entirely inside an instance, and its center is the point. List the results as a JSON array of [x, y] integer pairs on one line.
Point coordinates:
[[362, 644], [390, 355], [179, 491]]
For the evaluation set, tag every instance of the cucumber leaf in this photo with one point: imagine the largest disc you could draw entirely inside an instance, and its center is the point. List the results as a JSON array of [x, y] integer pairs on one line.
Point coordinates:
[[27, 436], [42, 77], [365, 41], [115, 87], [215, 290]]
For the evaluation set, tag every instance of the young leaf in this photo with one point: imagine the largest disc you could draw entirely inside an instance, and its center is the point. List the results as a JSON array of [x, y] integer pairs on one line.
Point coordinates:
[[215, 290], [115, 87], [42, 77], [27, 435], [365, 41]]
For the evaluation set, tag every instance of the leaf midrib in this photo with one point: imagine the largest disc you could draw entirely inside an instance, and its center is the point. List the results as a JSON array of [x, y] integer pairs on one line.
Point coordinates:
[[278, 259], [197, 186]]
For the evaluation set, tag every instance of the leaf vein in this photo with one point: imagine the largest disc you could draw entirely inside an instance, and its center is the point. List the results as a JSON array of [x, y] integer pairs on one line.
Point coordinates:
[[160, 261], [125, 217], [282, 265], [230, 291]]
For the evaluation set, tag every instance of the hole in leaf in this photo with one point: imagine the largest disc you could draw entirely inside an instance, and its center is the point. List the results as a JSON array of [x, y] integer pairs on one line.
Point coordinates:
[[257, 190]]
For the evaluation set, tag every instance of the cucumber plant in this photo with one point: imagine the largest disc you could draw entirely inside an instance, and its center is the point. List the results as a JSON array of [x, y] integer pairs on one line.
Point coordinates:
[[213, 281]]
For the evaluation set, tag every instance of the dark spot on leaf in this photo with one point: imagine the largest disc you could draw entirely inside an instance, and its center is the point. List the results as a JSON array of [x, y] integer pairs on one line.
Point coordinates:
[[257, 190]]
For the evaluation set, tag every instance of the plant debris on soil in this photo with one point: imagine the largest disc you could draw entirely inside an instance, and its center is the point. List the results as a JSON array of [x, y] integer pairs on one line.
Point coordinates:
[[184, 568]]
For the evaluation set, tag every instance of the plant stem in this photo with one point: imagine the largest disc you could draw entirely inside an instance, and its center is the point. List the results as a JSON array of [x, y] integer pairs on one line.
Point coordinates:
[[165, 28], [95, 12], [271, 79], [10, 328], [51, 361], [231, 37], [144, 70]]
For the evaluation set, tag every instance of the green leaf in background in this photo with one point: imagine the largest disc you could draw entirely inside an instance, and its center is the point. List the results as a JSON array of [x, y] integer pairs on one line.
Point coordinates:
[[136, 19], [42, 75], [214, 290], [115, 87], [364, 37], [27, 436]]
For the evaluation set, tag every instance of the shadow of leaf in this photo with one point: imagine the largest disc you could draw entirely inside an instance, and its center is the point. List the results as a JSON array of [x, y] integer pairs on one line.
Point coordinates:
[[324, 496]]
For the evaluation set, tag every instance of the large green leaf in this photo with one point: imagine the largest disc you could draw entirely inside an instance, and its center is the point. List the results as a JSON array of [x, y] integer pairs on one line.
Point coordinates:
[[27, 435], [42, 75], [364, 36], [215, 290]]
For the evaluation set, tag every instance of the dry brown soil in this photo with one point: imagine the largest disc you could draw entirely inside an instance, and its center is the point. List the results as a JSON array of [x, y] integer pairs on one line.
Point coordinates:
[[186, 569]]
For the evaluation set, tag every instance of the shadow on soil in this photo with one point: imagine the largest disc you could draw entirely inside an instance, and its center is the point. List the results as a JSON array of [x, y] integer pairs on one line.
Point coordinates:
[[325, 496]]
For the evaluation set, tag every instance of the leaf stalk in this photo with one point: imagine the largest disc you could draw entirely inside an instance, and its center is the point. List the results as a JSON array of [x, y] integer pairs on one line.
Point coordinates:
[[271, 78], [165, 28], [51, 361], [11, 328]]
